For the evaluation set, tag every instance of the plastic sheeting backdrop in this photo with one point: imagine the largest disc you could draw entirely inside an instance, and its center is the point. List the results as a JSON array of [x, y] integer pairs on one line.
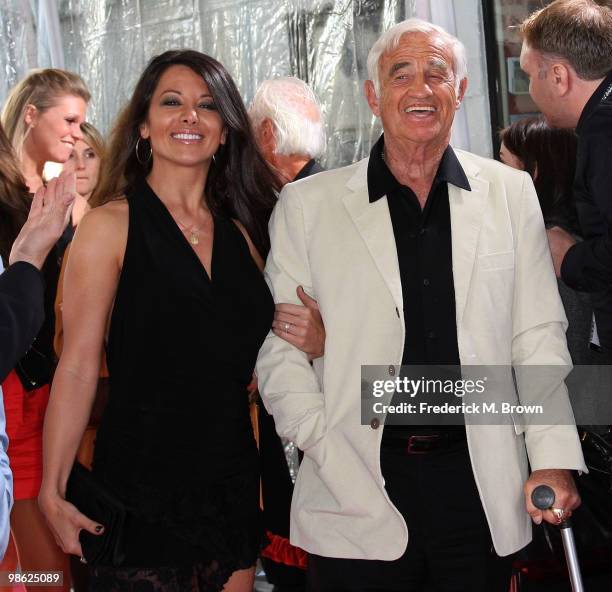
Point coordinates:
[[324, 43], [17, 43]]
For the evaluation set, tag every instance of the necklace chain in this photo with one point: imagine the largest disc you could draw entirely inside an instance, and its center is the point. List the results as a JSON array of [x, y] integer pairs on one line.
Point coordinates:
[[194, 236]]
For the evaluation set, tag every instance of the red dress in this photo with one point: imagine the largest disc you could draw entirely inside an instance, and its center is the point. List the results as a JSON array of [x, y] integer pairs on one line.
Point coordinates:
[[25, 413]]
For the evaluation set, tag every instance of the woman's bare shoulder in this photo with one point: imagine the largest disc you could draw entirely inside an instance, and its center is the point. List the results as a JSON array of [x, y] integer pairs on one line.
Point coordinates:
[[106, 225], [116, 209], [113, 213]]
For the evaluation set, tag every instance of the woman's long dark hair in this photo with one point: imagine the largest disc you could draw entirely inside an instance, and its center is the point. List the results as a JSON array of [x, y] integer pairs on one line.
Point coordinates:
[[239, 182], [14, 197], [549, 156]]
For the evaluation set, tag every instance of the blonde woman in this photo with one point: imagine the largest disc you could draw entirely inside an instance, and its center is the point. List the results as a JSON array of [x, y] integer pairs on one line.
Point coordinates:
[[85, 161], [42, 118]]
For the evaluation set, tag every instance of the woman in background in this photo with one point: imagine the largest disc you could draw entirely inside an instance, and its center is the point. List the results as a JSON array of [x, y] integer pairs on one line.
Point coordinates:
[[85, 162], [41, 117]]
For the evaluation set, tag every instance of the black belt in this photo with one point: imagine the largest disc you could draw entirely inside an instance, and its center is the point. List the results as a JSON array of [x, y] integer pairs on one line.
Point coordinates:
[[424, 443]]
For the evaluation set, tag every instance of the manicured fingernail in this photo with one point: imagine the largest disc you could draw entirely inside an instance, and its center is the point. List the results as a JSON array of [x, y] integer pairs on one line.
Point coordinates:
[[538, 519], [99, 528]]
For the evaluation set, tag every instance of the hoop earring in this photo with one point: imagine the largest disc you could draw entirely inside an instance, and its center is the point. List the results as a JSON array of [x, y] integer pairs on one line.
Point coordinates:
[[136, 148]]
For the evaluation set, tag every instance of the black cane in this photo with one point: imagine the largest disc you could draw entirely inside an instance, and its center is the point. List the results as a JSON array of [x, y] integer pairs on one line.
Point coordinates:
[[543, 498]]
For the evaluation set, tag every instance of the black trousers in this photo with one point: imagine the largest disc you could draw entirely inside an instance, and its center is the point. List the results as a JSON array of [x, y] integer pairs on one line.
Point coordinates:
[[449, 547]]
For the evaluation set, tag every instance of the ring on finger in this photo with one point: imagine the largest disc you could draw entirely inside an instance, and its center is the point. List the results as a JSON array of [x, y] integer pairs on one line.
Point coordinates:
[[559, 513], [287, 325]]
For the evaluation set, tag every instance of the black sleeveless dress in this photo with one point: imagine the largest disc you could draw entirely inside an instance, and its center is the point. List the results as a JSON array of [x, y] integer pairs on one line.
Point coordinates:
[[176, 442]]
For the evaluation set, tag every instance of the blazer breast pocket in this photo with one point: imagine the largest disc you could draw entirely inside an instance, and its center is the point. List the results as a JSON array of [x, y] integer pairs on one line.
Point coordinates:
[[496, 261]]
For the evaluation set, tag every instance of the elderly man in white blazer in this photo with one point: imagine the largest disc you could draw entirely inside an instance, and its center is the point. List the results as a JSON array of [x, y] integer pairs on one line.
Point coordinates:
[[419, 254]]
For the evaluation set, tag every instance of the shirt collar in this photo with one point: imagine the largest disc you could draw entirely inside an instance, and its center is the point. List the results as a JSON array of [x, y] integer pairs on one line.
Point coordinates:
[[602, 92], [381, 180], [305, 170]]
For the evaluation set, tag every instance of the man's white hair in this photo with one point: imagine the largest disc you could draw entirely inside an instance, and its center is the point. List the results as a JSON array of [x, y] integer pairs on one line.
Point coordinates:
[[390, 39], [287, 101]]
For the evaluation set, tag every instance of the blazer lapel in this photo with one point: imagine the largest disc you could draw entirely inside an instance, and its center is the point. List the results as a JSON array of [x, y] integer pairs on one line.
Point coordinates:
[[467, 210], [373, 223]]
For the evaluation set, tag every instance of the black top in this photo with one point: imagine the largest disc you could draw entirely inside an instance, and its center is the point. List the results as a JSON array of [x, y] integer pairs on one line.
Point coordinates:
[[312, 167], [176, 442], [424, 251], [21, 312], [588, 264]]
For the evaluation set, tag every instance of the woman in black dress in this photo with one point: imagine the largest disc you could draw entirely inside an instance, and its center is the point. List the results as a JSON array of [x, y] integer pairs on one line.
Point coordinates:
[[168, 272]]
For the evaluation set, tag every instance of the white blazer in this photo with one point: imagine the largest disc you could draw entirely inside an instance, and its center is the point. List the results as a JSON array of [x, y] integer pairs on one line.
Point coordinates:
[[328, 237]]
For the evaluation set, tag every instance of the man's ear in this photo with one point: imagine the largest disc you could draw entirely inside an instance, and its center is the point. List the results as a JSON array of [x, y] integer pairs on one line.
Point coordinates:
[[461, 94], [30, 115], [371, 98], [561, 77], [267, 135]]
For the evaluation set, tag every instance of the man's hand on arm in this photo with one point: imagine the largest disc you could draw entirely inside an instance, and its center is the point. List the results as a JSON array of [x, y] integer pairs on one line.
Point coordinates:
[[566, 494], [288, 384], [48, 217]]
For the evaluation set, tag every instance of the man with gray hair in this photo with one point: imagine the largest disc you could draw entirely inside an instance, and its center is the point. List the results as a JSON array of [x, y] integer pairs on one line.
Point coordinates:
[[417, 255], [289, 127], [567, 54]]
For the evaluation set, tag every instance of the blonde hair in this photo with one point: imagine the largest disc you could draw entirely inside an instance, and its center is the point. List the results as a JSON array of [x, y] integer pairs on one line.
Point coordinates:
[[14, 199], [94, 139], [40, 88]]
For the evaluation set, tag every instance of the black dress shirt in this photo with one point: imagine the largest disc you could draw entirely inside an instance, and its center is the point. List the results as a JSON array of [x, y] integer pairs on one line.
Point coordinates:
[[312, 167], [424, 251], [587, 265]]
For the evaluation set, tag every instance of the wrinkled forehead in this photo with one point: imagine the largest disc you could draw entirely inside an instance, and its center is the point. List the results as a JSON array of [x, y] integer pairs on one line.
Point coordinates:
[[413, 47]]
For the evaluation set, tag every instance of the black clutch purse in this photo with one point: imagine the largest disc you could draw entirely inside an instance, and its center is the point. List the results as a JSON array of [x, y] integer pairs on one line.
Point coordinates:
[[35, 368], [98, 503]]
